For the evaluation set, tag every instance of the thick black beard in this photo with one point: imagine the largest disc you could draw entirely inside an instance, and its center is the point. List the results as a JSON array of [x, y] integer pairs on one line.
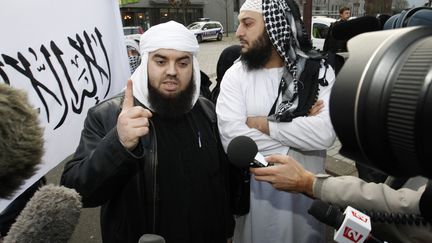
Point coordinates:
[[259, 54], [171, 107]]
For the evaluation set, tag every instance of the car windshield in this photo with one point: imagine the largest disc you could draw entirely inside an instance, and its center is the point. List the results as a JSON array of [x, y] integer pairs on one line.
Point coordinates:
[[190, 25], [131, 31], [194, 26]]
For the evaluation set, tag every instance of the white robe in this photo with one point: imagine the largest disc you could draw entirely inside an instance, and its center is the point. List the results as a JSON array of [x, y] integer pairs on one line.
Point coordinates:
[[275, 216]]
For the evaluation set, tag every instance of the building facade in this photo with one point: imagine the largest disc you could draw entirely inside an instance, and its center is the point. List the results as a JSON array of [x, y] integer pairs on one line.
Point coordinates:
[[332, 7], [146, 13], [374, 7]]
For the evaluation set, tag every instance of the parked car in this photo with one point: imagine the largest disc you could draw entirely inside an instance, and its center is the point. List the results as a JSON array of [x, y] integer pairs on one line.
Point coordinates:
[[133, 32], [206, 30], [320, 27]]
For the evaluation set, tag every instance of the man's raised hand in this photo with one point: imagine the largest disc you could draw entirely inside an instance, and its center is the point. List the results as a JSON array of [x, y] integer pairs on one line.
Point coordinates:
[[133, 121]]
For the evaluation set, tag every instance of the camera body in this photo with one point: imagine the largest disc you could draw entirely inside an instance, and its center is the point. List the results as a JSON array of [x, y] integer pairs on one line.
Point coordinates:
[[381, 104]]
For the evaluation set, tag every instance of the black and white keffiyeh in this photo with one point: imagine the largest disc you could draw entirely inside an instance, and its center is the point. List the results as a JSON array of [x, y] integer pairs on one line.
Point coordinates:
[[283, 27]]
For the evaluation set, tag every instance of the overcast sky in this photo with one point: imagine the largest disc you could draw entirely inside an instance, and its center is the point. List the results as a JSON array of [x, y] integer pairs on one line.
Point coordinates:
[[417, 3]]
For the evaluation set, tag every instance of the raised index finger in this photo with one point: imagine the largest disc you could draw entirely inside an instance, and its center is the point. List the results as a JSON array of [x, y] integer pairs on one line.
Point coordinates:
[[128, 101]]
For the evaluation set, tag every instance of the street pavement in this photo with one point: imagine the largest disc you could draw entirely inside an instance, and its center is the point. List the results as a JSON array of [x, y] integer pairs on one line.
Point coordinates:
[[88, 229]]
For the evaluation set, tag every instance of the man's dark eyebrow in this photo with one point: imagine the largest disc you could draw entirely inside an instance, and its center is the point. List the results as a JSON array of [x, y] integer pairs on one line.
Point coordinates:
[[246, 18], [183, 58], [159, 56], [177, 59]]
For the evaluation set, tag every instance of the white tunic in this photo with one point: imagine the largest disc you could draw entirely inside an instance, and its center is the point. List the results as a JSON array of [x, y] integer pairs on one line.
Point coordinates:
[[275, 216]]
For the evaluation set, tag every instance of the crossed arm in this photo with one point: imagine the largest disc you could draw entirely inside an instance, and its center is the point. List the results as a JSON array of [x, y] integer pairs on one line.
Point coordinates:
[[313, 132]]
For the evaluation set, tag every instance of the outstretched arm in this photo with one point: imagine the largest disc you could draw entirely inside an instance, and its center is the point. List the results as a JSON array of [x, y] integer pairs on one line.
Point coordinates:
[[289, 175]]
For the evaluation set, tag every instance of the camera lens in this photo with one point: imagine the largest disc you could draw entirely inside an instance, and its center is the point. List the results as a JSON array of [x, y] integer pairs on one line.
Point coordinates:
[[381, 103]]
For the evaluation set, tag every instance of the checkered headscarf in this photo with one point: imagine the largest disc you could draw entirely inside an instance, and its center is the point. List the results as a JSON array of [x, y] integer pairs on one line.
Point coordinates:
[[282, 29]]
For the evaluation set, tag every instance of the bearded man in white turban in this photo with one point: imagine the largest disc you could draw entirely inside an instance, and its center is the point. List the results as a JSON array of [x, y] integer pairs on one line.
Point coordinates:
[[277, 93], [151, 156]]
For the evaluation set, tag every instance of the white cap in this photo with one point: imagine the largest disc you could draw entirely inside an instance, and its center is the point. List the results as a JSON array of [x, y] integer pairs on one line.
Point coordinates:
[[252, 5]]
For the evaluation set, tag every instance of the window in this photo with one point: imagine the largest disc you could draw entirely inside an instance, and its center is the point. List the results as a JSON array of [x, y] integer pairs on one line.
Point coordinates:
[[320, 30], [206, 27]]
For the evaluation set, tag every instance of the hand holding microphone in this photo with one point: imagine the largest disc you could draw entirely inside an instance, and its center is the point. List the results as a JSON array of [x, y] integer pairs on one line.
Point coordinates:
[[133, 121], [287, 174]]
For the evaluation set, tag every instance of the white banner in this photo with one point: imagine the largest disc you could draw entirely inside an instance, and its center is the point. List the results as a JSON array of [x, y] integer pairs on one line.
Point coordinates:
[[68, 55]]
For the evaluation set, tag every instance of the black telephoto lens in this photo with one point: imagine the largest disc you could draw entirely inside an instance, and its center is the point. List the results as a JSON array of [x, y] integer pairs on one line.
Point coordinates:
[[381, 103]]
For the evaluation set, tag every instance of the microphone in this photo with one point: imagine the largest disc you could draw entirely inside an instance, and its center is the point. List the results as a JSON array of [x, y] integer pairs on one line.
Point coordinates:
[[243, 152], [151, 238], [22, 140], [348, 29], [352, 226], [50, 216]]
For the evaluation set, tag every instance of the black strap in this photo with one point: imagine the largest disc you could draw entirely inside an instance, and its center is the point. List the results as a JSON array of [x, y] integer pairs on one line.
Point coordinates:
[[307, 90], [282, 88]]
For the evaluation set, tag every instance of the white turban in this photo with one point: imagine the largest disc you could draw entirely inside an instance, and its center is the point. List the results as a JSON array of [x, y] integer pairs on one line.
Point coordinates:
[[252, 5], [170, 35]]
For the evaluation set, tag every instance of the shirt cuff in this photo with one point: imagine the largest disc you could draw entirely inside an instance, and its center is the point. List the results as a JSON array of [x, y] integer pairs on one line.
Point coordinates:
[[319, 184], [273, 130]]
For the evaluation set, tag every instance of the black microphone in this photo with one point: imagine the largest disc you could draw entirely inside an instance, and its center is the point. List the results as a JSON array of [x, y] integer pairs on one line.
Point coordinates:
[[50, 216], [22, 140], [243, 152], [151, 238], [326, 213], [348, 29], [350, 230]]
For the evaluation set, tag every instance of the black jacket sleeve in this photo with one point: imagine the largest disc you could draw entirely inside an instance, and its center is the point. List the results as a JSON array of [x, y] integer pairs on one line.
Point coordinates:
[[101, 165]]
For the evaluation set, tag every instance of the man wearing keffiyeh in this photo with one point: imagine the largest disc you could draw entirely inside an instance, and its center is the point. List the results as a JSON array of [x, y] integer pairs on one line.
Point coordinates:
[[277, 93]]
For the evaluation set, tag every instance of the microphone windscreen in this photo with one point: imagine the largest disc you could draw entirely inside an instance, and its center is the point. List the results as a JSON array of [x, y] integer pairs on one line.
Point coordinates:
[[50, 216], [21, 142], [151, 238], [326, 213], [241, 151], [348, 29]]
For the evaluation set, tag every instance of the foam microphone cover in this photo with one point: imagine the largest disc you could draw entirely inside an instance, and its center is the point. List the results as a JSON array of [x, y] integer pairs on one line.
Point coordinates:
[[241, 151], [50, 216], [348, 29], [21, 140]]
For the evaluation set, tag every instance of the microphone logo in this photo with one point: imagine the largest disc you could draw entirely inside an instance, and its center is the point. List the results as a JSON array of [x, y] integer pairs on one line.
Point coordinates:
[[352, 235], [359, 216]]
